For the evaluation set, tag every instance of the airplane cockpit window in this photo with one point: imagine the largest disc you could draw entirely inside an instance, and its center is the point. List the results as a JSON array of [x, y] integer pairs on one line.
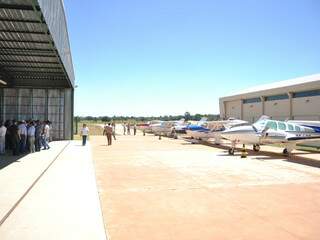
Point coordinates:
[[307, 129], [260, 124], [297, 128], [272, 125], [291, 128], [282, 126]]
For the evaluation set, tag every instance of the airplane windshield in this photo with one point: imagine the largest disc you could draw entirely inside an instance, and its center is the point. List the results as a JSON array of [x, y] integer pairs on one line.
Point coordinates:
[[260, 125], [272, 125]]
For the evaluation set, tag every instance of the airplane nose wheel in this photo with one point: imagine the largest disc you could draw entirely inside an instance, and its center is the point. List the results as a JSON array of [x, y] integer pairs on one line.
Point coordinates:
[[231, 151], [256, 147], [285, 152]]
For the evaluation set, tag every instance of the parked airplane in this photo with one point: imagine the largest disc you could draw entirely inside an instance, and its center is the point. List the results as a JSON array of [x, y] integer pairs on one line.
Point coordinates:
[[166, 128], [204, 130], [146, 127], [267, 131]]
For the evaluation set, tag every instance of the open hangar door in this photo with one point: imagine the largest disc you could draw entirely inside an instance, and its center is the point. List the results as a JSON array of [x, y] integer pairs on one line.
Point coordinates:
[[36, 71]]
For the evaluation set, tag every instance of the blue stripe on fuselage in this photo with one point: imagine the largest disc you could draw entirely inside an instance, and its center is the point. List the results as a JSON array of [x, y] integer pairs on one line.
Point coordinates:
[[315, 128], [197, 128]]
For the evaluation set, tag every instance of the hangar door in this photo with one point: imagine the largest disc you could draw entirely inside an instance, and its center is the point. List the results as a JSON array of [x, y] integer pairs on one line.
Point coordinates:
[[233, 109]]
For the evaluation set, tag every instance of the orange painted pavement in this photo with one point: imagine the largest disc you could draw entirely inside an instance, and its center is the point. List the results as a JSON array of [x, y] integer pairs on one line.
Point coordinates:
[[170, 189]]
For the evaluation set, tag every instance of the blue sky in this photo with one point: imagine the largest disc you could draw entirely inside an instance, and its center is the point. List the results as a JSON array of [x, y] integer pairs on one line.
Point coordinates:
[[147, 57]]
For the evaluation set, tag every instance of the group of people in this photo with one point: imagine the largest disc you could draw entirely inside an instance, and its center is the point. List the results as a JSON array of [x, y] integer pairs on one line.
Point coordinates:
[[24, 136], [127, 129], [109, 130]]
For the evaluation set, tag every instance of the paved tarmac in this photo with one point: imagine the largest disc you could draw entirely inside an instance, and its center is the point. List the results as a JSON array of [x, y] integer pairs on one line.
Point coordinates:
[[51, 195], [171, 189]]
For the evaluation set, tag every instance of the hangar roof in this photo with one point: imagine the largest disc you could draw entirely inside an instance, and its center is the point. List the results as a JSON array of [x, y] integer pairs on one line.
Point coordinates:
[[292, 85], [34, 44]]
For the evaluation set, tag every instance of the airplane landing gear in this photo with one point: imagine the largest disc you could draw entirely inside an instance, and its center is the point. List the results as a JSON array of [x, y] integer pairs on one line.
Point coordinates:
[[285, 152], [256, 147], [231, 151], [288, 149], [144, 132]]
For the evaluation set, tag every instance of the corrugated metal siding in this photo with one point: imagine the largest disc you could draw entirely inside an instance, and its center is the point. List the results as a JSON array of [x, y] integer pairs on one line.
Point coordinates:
[[53, 12]]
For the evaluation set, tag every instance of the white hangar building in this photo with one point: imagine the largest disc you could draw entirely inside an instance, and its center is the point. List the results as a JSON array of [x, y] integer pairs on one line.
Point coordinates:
[[295, 99]]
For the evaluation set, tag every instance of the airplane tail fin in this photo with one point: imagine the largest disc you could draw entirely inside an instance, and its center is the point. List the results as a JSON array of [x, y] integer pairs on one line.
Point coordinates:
[[181, 121], [233, 122], [202, 121]]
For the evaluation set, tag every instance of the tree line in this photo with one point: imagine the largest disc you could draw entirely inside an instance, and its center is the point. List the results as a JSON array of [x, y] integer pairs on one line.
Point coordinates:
[[187, 116]]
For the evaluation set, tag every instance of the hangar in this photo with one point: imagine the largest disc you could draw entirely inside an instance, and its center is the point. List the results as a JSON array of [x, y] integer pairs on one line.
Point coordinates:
[[36, 70], [295, 99]]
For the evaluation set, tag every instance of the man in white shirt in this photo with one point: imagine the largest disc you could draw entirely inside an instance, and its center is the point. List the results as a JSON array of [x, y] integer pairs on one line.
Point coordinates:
[[84, 133], [46, 136], [23, 136], [31, 137], [3, 131]]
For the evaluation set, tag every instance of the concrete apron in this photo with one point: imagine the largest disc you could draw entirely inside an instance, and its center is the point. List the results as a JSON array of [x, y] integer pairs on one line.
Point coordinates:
[[62, 204]]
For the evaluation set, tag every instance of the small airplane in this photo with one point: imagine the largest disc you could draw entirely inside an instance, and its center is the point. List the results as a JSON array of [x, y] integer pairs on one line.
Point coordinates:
[[167, 128], [146, 127], [266, 131], [204, 130]]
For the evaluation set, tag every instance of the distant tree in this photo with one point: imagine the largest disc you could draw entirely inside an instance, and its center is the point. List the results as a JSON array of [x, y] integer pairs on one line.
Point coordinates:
[[187, 116], [197, 117], [105, 119]]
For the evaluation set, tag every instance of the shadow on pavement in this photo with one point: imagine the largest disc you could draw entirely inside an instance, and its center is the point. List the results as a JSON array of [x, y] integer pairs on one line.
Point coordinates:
[[267, 156], [6, 160]]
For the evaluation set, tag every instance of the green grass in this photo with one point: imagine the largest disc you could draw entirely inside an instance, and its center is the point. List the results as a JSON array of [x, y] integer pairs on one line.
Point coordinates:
[[94, 128]]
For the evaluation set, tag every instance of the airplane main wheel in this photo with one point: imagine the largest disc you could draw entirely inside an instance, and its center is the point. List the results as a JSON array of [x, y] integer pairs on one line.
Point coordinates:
[[231, 151], [285, 151], [256, 147]]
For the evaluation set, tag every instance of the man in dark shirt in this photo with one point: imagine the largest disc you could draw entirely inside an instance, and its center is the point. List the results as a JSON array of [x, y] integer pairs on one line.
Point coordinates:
[[14, 138], [38, 135]]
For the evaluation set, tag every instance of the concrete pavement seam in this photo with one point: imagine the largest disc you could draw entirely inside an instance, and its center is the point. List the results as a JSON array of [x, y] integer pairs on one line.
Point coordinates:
[[7, 215]]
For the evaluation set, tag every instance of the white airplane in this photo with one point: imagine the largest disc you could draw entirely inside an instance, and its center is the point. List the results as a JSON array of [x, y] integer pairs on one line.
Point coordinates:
[[204, 130], [166, 128], [267, 131], [146, 127]]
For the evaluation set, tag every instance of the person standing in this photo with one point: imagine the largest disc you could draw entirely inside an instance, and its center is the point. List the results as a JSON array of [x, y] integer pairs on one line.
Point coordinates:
[[114, 130], [3, 131], [128, 128], [31, 137], [124, 128], [108, 132], [134, 129], [46, 136], [84, 133], [23, 136], [14, 138], [38, 131]]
